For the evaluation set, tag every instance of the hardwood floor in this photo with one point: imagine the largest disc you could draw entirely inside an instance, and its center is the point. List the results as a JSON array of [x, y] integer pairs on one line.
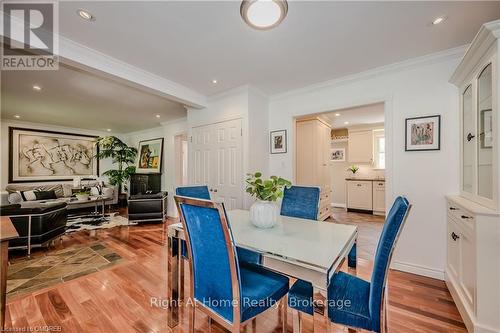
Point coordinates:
[[119, 299]]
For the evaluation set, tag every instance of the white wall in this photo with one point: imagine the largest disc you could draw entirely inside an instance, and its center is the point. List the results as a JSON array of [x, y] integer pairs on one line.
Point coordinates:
[[416, 89], [4, 129]]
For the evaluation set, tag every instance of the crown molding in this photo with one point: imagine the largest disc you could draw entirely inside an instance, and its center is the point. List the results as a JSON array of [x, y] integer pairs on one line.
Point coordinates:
[[387, 69], [487, 35]]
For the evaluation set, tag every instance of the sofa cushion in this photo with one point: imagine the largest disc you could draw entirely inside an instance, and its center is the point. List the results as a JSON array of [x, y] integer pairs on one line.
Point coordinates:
[[45, 195], [57, 188], [28, 195], [27, 208], [15, 197]]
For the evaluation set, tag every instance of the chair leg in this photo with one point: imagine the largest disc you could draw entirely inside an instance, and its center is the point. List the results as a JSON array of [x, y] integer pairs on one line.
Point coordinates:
[[191, 318], [297, 321], [182, 265], [284, 307]]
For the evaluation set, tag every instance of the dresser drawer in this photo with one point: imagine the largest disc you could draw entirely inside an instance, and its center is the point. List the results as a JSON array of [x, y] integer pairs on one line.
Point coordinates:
[[378, 185], [463, 217]]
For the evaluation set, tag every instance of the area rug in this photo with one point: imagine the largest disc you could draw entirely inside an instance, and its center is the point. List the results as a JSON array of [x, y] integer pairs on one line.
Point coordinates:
[[29, 275], [78, 224]]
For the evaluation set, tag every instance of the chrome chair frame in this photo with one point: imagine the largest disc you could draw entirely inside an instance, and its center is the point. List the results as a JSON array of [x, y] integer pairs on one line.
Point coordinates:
[[236, 325]]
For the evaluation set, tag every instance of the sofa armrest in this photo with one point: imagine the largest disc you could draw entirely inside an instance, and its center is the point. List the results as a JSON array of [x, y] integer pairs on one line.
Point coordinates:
[[4, 198]]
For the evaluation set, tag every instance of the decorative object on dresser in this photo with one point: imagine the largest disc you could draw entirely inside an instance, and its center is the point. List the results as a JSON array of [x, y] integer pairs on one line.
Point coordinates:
[[473, 270], [37, 155], [337, 155], [312, 160], [122, 155], [264, 211], [423, 133], [150, 156], [278, 142], [353, 169]]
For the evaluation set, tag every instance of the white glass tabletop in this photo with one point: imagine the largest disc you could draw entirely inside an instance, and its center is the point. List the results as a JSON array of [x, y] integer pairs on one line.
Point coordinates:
[[315, 243]]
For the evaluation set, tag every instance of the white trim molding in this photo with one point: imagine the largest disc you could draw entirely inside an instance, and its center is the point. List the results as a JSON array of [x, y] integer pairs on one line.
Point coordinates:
[[418, 269]]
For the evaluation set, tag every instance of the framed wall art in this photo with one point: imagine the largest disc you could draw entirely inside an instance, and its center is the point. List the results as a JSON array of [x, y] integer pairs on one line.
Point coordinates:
[[150, 156], [423, 133], [278, 142]]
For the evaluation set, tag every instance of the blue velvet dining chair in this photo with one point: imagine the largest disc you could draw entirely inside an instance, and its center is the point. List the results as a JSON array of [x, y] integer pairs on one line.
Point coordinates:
[[229, 292], [366, 299], [201, 192]]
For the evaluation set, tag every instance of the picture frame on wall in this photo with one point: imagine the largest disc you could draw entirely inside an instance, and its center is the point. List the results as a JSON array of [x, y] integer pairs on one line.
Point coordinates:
[[337, 155], [423, 133], [44, 156], [278, 142], [149, 156], [486, 128]]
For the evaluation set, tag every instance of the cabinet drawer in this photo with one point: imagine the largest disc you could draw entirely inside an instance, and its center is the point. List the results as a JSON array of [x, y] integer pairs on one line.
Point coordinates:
[[324, 213], [359, 195], [463, 217], [378, 185]]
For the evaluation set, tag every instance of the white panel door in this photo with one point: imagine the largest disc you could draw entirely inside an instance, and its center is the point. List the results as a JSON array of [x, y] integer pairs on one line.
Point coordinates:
[[217, 160]]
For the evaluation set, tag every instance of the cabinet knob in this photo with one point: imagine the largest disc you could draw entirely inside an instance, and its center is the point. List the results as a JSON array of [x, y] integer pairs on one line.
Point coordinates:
[[215, 190], [470, 136], [453, 208], [358, 184], [454, 236], [466, 217], [211, 190]]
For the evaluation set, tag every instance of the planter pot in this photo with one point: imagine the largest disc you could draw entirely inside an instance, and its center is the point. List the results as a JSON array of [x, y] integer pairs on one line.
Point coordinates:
[[264, 214], [82, 197]]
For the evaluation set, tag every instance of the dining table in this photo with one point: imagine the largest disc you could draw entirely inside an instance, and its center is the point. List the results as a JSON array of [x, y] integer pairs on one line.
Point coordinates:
[[299, 248]]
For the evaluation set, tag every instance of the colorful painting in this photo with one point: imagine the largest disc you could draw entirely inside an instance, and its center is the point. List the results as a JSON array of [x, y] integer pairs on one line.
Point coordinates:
[[37, 155], [278, 142], [150, 156], [423, 133]]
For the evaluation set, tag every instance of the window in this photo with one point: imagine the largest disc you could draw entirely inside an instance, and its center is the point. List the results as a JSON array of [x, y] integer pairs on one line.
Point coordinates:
[[379, 139]]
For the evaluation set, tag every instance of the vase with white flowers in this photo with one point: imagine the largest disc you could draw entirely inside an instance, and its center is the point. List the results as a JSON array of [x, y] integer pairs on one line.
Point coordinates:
[[264, 211]]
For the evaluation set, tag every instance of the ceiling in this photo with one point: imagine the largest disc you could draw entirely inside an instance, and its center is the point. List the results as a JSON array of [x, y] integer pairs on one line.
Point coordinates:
[[75, 98], [361, 115], [193, 43]]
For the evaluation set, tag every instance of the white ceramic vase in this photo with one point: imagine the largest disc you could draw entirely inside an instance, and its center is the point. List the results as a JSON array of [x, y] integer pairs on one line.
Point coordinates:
[[264, 214]]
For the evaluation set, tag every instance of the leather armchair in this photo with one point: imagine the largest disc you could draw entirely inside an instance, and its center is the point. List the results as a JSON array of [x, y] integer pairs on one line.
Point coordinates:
[[147, 207], [37, 224]]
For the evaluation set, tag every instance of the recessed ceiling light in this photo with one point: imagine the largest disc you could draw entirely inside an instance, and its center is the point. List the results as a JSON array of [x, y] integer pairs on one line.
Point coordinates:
[[158, 116], [346, 122], [85, 15], [337, 115], [263, 14], [214, 81], [37, 87], [439, 20], [17, 116], [108, 129]]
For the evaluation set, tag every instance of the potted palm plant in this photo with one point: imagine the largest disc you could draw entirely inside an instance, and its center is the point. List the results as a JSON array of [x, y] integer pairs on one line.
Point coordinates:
[[264, 211], [122, 156]]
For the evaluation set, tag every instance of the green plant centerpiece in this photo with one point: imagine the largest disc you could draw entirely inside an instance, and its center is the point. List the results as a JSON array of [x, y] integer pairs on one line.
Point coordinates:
[[353, 169], [264, 211], [82, 195], [122, 156]]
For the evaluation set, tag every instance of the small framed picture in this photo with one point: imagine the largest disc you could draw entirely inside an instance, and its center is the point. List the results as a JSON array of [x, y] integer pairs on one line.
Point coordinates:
[[486, 128], [337, 155], [423, 133], [278, 142]]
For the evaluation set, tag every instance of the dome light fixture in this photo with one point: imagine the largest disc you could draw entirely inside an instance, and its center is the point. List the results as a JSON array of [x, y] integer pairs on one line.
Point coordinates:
[[263, 14], [86, 15]]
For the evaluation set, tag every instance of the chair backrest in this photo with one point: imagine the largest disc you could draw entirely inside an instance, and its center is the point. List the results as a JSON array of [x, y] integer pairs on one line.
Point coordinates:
[[215, 272], [387, 242], [198, 192], [301, 202]]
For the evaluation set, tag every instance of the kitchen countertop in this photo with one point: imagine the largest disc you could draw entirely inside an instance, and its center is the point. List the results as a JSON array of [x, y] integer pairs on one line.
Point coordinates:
[[366, 179]]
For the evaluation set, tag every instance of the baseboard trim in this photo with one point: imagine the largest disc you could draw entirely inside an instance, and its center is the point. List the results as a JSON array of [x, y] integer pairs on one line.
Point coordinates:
[[339, 205], [418, 269]]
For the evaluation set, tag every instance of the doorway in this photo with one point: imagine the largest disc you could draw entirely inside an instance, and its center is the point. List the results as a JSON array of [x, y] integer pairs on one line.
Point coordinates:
[[181, 159]]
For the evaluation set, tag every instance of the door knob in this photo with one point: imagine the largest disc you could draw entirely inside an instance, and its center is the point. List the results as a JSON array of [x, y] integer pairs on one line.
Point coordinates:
[[454, 236], [470, 136]]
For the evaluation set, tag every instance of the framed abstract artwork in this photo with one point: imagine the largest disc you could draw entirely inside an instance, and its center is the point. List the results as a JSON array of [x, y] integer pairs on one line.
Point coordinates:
[[38, 155], [337, 155], [278, 142], [150, 156], [423, 133]]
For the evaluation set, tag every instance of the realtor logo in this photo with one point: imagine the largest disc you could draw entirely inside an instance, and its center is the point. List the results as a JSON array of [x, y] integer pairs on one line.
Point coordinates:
[[30, 35]]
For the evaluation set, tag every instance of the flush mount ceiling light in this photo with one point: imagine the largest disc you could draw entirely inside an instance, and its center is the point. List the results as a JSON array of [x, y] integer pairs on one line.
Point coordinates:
[[17, 116], [36, 87], [439, 20], [108, 129], [263, 14], [157, 116], [346, 122], [214, 81], [85, 15], [337, 115]]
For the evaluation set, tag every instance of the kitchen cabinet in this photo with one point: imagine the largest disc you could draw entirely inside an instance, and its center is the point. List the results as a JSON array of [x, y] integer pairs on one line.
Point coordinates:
[[360, 146], [378, 197], [359, 195]]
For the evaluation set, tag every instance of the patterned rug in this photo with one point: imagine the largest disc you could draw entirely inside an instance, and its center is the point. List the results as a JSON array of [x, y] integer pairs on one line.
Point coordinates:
[[85, 223], [33, 274]]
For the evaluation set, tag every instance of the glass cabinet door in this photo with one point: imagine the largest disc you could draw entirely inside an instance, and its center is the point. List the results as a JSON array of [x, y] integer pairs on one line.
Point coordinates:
[[468, 143], [485, 134]]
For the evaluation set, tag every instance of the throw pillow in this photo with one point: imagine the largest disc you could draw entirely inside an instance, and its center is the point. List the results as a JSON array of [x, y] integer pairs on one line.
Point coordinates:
[[45, 195], [28, 195], [15, 197]]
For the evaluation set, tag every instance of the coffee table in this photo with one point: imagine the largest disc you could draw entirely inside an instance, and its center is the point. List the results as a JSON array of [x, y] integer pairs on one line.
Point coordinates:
[[94, 217]]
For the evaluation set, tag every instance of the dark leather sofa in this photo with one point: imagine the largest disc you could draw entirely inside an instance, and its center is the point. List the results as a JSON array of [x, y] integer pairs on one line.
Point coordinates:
[[147, 207], [48, 221]]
